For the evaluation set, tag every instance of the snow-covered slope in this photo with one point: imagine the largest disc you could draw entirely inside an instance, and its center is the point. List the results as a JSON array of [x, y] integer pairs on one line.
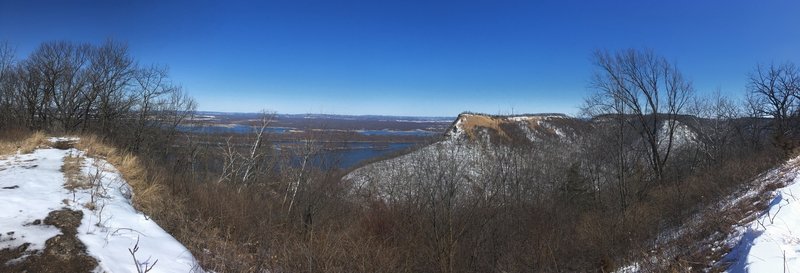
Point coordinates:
[[682, 135], [771, 242], [474, 139], [471, 142], [33, 185], [763, 233]]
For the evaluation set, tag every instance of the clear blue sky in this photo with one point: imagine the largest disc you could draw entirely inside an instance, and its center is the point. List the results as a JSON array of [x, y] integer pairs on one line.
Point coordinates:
[[413, 57]]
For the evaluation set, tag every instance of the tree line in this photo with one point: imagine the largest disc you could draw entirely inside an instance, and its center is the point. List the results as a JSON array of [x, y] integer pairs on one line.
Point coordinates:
[[79, 87]]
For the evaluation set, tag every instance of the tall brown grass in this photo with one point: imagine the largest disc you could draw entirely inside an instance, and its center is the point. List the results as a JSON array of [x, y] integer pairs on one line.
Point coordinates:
[[71, 168], [149, 194], [21, 141]]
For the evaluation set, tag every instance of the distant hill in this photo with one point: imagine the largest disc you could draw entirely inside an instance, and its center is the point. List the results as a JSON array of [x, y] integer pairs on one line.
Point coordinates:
[[473, 138], [516, 128]]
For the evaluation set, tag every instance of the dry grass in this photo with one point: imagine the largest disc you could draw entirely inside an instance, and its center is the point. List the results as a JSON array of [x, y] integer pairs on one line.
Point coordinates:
[[96, 147], [74, 179], [470, 123], [22, 142], [149, 194]]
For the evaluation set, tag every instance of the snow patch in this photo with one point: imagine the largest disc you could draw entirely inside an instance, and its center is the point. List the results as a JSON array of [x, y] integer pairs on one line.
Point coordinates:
[[32, 185], [682, 135], [457, 132], [771, 243], [62, 139]]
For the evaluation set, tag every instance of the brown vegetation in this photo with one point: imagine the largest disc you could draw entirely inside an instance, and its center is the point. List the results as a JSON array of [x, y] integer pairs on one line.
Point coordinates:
[[471, 123], [22, 141], [74, 179], [507, 128]]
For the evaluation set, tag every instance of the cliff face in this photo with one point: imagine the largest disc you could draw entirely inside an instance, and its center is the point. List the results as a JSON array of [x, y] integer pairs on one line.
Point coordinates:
[[515, 129], [472, 149], [476, 143]]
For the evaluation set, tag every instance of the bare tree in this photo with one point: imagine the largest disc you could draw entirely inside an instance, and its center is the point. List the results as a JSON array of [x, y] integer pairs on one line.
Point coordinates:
[[151, 84], [241, 162], [8, 84], [648, 92], [715, 118], [62, 67], [29, 94], [774, 92], [306, 151], [230, 161], [7, 56], [110, 76], [257, 154], [173, 109], [611, 138]]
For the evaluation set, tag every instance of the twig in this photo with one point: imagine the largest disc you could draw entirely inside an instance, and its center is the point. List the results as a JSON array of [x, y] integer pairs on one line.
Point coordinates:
[[140, 268]]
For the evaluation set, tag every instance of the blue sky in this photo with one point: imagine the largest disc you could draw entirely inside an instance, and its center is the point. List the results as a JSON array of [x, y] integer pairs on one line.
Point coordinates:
[[413, 57]]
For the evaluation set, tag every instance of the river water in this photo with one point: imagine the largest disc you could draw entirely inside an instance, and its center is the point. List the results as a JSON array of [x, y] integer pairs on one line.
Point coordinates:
[[344, 156]]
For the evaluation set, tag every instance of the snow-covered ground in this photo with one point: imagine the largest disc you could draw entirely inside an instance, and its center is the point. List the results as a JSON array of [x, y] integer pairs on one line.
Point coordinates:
[[771, 243], [759, 239], [32, 185]]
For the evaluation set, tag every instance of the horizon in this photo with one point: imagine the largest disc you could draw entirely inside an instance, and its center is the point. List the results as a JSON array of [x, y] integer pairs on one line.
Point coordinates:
[[413, 58], [323, 114], [382, 115]]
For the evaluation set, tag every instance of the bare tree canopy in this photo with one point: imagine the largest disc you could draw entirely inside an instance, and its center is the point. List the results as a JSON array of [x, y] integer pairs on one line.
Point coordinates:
[[644, 89], [79, 87], [774, 91]]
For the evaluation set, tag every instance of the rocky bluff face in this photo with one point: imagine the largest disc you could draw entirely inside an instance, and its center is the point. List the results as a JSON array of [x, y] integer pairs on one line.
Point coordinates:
[[515, 129], [475, 142]]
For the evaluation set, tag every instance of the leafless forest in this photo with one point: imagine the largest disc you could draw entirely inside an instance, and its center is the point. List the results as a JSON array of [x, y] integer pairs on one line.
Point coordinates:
[[623, 182]]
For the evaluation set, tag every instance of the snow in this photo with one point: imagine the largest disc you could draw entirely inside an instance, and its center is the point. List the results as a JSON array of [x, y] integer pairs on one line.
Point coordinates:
[[557, 130], [108, 231], [682, 135], [459, 130], [771, 243], [58, 139], [632, 268], [520, 118], [538, 117], [30, 187], [387, 178]]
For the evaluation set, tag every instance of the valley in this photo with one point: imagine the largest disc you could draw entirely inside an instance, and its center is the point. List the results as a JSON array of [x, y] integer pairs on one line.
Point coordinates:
[[345, 141]]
